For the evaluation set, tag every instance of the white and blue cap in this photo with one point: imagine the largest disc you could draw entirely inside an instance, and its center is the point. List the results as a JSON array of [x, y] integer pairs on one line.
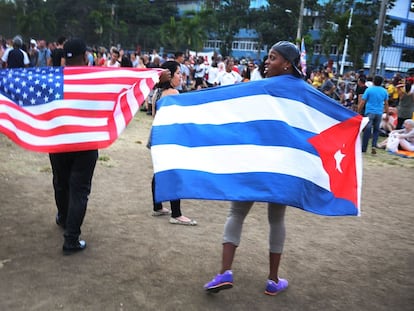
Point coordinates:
[[291, 53]]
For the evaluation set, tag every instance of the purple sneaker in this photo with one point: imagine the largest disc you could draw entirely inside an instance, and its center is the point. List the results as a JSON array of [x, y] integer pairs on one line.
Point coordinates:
[[273, 288], [220, 281]]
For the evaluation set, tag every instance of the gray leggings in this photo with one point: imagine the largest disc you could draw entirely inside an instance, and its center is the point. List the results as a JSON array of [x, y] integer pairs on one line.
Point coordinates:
[[276, 217]]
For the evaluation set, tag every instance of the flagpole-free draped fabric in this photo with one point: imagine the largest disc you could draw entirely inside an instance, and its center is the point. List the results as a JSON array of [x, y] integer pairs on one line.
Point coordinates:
[[56, 109], [258, 141]]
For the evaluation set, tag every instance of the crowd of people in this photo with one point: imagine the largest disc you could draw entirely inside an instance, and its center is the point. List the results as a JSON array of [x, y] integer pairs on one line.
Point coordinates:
[[73, 171]]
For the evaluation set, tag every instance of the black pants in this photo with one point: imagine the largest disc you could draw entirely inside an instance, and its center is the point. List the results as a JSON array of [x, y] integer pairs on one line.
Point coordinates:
[[72, 180], [175, 204]]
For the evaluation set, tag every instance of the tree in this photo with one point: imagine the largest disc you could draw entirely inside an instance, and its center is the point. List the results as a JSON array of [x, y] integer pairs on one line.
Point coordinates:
[[170, 34], [361, 36], [231, 16]]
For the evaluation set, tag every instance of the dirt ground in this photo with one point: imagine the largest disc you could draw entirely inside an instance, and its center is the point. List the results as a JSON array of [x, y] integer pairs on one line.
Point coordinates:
[[138, 262]]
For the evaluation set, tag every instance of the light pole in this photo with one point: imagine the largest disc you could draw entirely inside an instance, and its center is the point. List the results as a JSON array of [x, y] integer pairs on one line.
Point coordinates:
[[341, 71], [300, 22]]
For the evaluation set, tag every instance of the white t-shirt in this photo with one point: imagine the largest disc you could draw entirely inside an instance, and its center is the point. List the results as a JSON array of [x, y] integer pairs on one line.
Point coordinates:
[[255, 75], [228, 78], [116, 64]]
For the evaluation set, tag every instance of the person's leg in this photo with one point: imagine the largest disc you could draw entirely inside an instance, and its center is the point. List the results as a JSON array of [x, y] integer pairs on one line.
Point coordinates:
[[231, 239], [232, 232], [80, 188], [277, 234], [367, 133], [376, 129], [61, 170], [175, 208], [155, 206], [406, 145]]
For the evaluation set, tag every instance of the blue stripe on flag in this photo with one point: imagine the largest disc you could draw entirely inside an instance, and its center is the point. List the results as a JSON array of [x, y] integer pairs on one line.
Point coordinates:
[[251, 187], [266, 133]]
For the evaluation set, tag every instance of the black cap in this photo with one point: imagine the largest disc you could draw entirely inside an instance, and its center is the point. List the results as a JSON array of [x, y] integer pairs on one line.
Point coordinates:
[[74, 47], [290, 52]]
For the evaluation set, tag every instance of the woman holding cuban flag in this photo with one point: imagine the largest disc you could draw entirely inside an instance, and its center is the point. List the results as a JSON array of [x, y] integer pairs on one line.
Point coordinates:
[[283, 59]]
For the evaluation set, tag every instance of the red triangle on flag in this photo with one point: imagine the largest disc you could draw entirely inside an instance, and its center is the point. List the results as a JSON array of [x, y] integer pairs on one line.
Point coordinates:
[[336, 148]]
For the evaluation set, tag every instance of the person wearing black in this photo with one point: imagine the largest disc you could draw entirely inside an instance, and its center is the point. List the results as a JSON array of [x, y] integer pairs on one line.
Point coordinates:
[[15, 57], [360, 89], [72, 173], [57, 56]]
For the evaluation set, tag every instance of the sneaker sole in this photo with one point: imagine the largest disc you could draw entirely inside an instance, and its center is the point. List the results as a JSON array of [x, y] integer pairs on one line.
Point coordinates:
[[275, 293], [219, 287]]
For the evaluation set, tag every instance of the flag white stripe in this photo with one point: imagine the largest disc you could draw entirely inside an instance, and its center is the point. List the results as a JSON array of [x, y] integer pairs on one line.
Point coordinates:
[[96, 88], [52, 123], [119, 118], [71, 104], [241, 159], [56, 139], [105, 74], [245, 109]]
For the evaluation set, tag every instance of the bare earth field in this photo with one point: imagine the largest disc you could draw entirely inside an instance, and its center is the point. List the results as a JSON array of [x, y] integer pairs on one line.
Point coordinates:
[[138, 262]]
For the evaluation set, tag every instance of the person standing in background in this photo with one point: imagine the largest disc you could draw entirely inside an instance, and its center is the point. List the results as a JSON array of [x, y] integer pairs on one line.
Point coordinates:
[[57, 56], [375, 102], [44, 54]]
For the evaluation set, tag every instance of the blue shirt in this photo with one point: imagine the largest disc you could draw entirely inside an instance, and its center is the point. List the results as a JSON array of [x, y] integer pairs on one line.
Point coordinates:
[[375, 96]]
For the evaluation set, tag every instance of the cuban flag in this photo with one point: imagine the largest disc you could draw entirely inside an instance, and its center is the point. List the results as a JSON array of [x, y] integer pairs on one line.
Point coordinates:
[[257, 141], [56, 109]]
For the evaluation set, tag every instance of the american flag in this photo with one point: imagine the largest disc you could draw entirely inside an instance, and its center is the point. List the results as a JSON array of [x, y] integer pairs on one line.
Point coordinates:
[[257, 141], [62, 109]]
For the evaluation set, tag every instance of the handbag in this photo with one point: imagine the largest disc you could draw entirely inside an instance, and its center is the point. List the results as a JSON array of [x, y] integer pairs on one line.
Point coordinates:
[[392, 143]]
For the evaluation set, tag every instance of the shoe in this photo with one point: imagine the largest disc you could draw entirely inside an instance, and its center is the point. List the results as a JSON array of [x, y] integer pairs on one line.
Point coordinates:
[[186, 222], [373, 151], [273, 288], [220, 281], [59, 222], [69, 249], [161, 212]]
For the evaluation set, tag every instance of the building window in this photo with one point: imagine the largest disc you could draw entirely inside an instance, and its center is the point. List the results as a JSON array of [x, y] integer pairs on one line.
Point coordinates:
[[334, 49], [317, 49], [410, 30], [407, 56], [235, 45]]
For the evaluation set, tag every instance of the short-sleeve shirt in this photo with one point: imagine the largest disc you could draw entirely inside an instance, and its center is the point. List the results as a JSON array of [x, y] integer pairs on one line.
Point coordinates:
[[15, 58], [375, 97]]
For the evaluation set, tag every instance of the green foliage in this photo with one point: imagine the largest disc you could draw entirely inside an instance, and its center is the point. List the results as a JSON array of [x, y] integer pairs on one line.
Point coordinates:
[[156, 23], [362, 31]]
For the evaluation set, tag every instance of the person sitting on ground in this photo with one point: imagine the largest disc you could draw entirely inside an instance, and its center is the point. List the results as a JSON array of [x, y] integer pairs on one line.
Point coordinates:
[[388, 125], [405, 136]]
